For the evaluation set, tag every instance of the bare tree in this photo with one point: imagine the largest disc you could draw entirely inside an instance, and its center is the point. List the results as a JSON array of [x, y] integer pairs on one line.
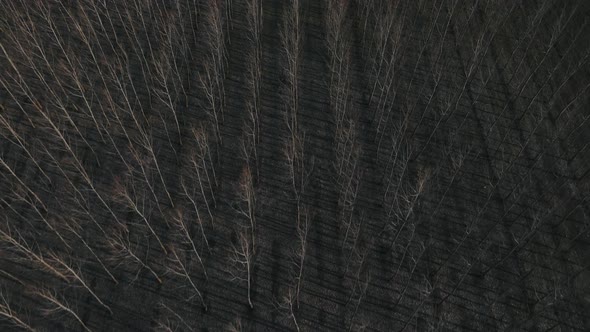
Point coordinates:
[[241, 261], [7, 312], [357, 268], [252, 128], [288, 304], [183, 236], [58, 103], [251, 140], [14, 137], [57, 305], [426, 291], [199, 181], [35, 204], [123, 251], [213, 73], [299, 170], [348, 172], [18, 244], [203, 154], [338, 42], [168, 75], [303, 224], [347, 149], [179, 267], [247, 198], [415, 259], [360, 290], [352, 240], [130, 196], [291, 37], [75, 227], [235, 326], [144, 156], [168, 322], [74, 274], [73, 161]]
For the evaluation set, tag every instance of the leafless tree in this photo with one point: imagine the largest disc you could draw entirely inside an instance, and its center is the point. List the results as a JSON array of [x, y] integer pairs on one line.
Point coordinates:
[[404, 201], [235, 326], [255, 19], [144, 156], [303, 224], [178, 266], [348, 172], [299, 170], [241, 261], [198, 181], [288, 304], [352, 239], [163, 70], [129, 195], [251, 139], [73, 162], [247, 201], [183, 236], [415, 260], [75, 227], [291, 37], [14, 137], [396, 169], [167, 323], [459, 244], [213, 73], [457, 160], [123, 251], [17, 244], [425, 290], [347, 149], [32, 200], [7, 312], [57, 305], [57, 105], [359, 293], [203, 152], [254, 79], [338, 42], [74, 274]]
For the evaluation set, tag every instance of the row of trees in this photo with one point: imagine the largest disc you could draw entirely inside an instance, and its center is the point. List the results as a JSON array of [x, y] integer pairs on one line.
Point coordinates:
[[122, 174], [513, 185], [108, 94]]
